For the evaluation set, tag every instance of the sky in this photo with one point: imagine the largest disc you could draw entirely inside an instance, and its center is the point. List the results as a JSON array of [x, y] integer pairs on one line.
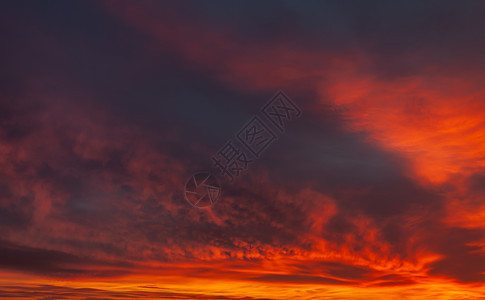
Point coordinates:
[[375, 191]]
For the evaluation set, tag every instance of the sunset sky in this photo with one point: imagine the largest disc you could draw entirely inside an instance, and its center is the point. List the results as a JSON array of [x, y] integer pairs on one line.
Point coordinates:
[[377, 191]]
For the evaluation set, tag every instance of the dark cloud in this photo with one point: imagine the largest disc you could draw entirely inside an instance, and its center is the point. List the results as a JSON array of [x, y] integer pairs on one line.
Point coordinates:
[[15, 211], [463, 256], [55, 263]]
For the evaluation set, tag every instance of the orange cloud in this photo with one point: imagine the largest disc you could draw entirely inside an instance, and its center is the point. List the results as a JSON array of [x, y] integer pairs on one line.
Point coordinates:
[[434, 121]]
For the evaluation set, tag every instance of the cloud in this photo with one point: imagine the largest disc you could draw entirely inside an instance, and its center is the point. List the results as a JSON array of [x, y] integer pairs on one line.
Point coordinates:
[[56, 263], [378, 185]]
